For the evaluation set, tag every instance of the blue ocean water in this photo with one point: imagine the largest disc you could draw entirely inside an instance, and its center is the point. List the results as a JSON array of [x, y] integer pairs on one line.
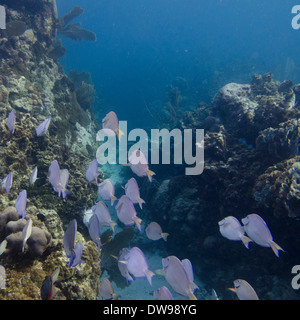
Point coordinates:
[[143, 46]]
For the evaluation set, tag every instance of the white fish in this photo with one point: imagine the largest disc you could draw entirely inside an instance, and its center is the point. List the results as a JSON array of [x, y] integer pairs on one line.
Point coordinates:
[[162, 293], [189, 270], [139, 164], [177, 277], [243, 290], [106, 190], [137, 264], [106, 290], [154, 232], [231, 229], [33, 176], [123, 266], [133, 193], [103, 215], [3, 246], [126, 212], [258, 231], [87, 214], [26, 233]]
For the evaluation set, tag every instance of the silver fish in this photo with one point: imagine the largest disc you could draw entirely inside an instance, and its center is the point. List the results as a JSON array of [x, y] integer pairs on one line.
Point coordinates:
[[43, 127], [20, 204], [126, 212], [231, 229], [106, 290], [177, 277], [103, 215], [154, 232], [137, 264], [162, 293], [26, 233], [33, 176], [258, 231], [7, 182], [133, 193], [243, 290], [10, 121]]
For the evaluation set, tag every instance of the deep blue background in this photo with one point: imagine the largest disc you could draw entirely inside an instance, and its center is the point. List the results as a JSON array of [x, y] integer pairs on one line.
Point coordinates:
[[143, 45]]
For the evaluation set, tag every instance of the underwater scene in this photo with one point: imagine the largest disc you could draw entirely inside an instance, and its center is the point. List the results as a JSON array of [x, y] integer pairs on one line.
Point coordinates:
[[149, 150]]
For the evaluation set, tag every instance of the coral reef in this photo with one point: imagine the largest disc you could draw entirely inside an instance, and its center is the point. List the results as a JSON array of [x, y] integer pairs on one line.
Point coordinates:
[[251, 166], [33, 84]]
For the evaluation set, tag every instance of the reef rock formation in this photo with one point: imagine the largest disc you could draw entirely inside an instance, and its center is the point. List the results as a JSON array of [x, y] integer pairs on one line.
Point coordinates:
[[34, 85], [251, 148]]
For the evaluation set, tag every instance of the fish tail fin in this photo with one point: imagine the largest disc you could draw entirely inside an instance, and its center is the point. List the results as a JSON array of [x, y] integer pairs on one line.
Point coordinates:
[[115, 296], [246, 241], [149, 275], [141, 201], [276, 248], [194, 286], [120, 133], [113, 199], [138, 222], [66, 193], [160, 272], [164, 235], [112, 225], [192, 296], [150, 174]]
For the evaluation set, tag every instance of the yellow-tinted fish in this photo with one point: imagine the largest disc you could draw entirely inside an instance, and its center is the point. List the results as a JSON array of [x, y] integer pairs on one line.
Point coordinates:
[[106, 290], [154, 232], [243, 290]]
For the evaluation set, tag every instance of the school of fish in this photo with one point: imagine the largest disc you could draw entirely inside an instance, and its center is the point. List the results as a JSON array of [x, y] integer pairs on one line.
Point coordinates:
[[131, 262]]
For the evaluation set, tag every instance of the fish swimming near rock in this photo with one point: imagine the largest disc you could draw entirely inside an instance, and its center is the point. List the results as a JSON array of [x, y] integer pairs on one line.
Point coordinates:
[[132, 191], [123, 266], [3, 245], [43, 127], [189, 270], [106, 191], [94, 231], [76, 257], [137, 264], [11, 121], [21, 203], [154, 232], [7, 182], [26, 233], [87, 214], [257, 229], [33, 176], [231, 229], [106, 290], [111, 123], [126, 212], [139, 164], [47, 288], [59, 179], [103, 215], [92, 171], [243, 290], [73, 252], [177, 277], [162, 293]]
